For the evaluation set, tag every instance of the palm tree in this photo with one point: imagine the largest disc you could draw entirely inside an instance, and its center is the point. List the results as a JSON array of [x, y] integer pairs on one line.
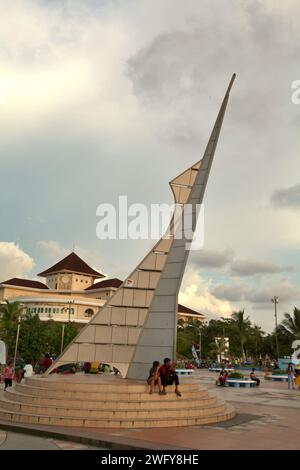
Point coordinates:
[[9, 315], [257, 335], [242, 326], [291, 324], [219, 347]]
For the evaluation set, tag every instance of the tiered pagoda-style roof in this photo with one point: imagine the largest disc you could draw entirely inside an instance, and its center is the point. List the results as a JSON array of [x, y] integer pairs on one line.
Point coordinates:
[[72, 263]]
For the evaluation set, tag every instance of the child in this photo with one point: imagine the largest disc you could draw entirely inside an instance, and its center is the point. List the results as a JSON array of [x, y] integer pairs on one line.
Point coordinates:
[[154, 378], [8, 375]]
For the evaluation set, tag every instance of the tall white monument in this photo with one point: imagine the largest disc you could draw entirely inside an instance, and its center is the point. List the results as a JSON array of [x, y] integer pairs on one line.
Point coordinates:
[[138, 323]]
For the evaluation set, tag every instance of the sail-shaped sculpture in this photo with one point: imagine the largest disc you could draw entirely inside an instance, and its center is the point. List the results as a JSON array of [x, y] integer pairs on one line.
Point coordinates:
[[138, 323]]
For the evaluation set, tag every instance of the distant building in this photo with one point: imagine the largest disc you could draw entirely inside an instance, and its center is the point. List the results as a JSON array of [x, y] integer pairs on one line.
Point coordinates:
[[187, 314], [73, 291]]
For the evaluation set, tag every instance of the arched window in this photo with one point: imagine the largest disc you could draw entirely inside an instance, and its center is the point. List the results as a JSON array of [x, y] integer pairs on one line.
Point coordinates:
[[89, 312]]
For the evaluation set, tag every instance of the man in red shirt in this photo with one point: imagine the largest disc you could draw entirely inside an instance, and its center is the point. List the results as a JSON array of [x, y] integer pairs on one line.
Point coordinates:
[[47, 362], [168, 376]]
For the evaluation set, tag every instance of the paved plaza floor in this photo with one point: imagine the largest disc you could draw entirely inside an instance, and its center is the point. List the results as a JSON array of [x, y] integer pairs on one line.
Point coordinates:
[[20, 441], [268, 417]]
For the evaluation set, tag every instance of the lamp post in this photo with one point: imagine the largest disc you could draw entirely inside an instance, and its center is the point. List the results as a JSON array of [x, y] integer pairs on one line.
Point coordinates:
[[18, 333], [62, 338], [64, 325], [275, 301]]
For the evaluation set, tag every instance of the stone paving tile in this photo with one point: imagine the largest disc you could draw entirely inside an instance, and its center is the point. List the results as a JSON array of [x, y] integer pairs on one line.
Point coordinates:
[[19, 441], [65, 445]]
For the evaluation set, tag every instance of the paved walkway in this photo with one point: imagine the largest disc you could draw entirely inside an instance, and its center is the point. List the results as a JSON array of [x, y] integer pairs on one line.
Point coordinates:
[[268, 417], [18, 441]]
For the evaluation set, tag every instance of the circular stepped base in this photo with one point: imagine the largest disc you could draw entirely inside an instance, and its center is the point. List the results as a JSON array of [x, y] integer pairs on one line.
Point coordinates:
[[109, 402]]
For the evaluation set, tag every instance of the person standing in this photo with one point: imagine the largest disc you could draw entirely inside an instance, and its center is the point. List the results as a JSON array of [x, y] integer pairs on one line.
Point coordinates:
[[28, 370], [290, 374], [9, 372]]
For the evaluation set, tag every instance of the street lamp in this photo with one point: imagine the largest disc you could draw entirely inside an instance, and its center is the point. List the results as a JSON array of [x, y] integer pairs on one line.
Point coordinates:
[[62, 338], [18, 333], [275, 301]]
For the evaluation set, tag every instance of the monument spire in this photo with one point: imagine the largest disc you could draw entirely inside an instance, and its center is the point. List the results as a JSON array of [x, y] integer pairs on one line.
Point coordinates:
[[138, 323]]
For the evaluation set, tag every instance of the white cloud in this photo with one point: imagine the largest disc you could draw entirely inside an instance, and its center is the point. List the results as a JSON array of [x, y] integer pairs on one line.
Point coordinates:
[[59, 60], [14, 262], [195, 293], [75, 114]]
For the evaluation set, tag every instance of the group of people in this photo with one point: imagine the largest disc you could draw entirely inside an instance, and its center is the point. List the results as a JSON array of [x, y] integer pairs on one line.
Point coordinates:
[[23, 371], [98, 367], [162, 376], [221, 381], [9, 373]]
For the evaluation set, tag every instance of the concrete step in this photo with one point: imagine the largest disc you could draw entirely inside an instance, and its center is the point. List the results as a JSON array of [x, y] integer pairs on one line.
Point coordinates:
[[114, 385], [171, 400], [184, 409], [104, 402], [103, 395], [29, 418]]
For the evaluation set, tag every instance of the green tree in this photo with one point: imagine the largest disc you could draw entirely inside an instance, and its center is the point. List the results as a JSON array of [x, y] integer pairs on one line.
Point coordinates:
[[38, 337], [255, 340], [218, 348], [185, 340], [32, 338], [242, 326], [9, 315], [291, 324]]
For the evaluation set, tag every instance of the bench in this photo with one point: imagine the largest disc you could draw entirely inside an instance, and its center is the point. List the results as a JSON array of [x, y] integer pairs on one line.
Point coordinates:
[[240, 383], [184, 371], [218, 369], [279, 378]]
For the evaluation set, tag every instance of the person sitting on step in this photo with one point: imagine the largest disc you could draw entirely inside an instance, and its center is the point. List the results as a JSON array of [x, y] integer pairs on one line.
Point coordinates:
[[222, 378], [168, 376], [154, 377]]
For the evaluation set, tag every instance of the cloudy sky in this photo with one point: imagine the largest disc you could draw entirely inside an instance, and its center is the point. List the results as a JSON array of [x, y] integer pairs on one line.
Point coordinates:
[[101, 98]]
